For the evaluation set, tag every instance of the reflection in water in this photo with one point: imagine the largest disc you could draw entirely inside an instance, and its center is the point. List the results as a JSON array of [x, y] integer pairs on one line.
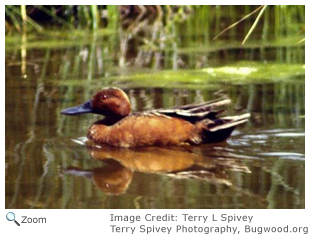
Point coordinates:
[[261, 166], [116, 175], [113, 178], [270, 146]]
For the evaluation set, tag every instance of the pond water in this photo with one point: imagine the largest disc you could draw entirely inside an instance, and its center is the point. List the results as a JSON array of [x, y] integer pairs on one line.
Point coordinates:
[[49, 164]]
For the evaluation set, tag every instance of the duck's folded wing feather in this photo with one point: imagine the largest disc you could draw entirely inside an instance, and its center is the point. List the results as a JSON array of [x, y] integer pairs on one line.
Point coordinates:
[[195, 112]]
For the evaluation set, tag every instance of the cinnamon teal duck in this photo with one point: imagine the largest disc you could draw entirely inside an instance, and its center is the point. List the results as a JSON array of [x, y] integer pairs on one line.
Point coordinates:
[[192, 124]]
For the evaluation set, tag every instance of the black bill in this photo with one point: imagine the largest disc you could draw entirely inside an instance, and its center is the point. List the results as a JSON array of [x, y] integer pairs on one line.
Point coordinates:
[[84, 108]]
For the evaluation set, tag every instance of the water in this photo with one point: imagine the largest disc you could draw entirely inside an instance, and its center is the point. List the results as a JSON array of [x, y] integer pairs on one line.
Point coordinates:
[[50, 164]]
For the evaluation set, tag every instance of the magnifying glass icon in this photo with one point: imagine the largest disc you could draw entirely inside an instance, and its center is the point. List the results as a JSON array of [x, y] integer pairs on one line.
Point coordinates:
[[11, 217]]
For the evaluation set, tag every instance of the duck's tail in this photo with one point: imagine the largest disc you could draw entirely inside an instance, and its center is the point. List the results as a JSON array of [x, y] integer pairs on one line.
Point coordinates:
[[219, 129]]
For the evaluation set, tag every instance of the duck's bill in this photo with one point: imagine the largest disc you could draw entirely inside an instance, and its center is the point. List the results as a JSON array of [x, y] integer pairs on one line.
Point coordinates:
[[84, 108]]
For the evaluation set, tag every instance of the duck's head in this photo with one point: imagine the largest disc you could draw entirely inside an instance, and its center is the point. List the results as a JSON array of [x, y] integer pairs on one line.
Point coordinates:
[[111, 102]]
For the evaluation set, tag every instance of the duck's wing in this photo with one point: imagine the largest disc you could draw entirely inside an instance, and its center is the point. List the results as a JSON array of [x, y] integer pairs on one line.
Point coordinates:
[[195, 112], [212, 128]]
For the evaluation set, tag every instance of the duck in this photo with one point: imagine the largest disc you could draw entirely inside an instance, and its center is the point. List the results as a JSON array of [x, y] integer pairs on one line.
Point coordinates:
[[192, 124]]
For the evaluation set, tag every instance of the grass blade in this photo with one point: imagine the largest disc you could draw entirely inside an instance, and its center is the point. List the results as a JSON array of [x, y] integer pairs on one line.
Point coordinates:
[[254, 24], [236, 23]]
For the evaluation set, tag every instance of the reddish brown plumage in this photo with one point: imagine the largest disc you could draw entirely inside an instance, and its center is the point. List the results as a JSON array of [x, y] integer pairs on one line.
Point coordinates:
[[111, 102], [192, 124], [144, 130]]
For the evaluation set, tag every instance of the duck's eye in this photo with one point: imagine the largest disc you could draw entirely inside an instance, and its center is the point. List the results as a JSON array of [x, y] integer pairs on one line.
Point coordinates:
[[104, 97]]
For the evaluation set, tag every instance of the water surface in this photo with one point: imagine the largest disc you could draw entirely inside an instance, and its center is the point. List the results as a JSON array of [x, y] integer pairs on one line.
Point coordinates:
[[49, 164]]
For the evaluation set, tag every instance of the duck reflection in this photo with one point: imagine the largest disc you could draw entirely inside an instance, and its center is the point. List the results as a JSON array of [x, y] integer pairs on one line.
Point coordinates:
[[176, 162]]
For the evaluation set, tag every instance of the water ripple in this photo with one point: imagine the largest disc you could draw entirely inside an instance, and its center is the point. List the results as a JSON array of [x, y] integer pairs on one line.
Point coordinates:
[[284, 155]]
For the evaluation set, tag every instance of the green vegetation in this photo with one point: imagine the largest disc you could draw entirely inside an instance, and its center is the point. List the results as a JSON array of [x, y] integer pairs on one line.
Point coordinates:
[[162, 56], [283, 20], [100, 40]]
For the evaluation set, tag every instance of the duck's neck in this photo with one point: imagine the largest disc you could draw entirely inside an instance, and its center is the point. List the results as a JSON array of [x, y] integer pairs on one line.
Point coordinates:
[[108, 121]]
